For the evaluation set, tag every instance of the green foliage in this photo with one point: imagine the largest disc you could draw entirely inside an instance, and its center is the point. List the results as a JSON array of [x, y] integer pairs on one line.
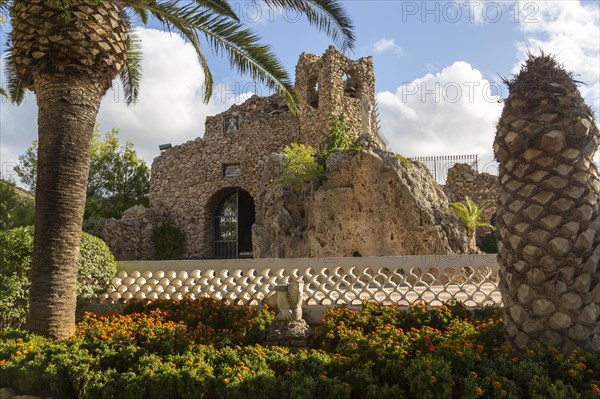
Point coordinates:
[[26, 169], [16, 207], [118, 178], [469, 213], [339, 138], [96, 267], [300, 168], [208, 349], [169, 241], [403, 160]]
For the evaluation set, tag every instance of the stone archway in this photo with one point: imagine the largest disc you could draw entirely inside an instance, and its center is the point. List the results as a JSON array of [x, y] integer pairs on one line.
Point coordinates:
[[233, 217]]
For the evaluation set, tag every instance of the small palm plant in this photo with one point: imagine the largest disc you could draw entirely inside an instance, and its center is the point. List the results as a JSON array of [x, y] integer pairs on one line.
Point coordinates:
[[471, 216]]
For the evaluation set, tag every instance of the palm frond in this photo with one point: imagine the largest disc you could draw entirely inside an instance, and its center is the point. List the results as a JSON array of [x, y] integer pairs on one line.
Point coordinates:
[[16, 90], [469, 213], [225, 37], [221, 7], [326, 15], [131, 75], [141, 14]]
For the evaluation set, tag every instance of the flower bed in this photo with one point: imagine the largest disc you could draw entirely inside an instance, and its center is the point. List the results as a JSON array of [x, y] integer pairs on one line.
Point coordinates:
[[206, 349]]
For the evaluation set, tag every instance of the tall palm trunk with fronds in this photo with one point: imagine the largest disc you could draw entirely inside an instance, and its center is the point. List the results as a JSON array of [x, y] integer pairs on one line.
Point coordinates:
[[67, 52], [548, 216]]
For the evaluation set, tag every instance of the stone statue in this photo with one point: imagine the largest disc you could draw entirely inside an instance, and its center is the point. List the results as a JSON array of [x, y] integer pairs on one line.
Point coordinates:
[[289, 328], [288, 300], [366, 112]]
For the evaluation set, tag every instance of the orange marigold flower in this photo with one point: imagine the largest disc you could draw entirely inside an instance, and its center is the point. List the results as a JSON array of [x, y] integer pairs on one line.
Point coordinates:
[[226, 380], [478, 391], [572, 372], [433, 379]]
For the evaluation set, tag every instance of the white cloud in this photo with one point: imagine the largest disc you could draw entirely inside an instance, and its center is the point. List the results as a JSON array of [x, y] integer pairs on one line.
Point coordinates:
[[569, 31], [169, 109], [448, 113], [384, 45]]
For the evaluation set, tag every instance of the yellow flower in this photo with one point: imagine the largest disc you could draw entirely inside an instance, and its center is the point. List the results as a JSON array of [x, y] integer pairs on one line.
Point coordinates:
[[572, 372], [226, 380], [18, 353], [478, 391], [433, 379]]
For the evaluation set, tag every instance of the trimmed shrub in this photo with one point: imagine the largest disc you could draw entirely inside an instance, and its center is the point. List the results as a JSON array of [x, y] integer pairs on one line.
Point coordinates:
[[169, 241], [96, 267]]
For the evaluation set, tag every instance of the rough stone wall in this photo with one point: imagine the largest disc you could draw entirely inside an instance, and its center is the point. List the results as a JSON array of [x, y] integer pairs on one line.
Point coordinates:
[[482, 188], [188, 182], [370, 204], [130, 238], [330, 85]]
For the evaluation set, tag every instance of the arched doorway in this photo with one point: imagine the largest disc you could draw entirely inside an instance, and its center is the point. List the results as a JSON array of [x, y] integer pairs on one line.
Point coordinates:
[[233, 219]]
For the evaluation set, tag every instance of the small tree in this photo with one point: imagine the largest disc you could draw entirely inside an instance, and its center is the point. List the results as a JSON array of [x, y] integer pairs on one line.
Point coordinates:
[[339, 138], [471, 216]]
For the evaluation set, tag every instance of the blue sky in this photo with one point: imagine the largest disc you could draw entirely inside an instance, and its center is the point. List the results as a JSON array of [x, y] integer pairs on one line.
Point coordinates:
[[457, 48]]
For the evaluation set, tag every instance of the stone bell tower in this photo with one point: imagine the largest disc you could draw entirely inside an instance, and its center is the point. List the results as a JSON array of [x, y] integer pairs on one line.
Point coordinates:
[[331, 85]]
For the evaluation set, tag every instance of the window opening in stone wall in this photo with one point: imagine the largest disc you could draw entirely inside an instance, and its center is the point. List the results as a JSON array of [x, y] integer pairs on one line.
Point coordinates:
[[313, 93], [231, 170], [234, 217], [351, 85]]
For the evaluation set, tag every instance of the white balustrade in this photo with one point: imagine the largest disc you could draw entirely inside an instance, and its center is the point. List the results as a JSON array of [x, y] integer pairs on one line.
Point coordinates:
[[434, 279]]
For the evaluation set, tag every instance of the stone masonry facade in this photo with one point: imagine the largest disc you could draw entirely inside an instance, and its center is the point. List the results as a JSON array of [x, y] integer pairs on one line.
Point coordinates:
[[190, 181]]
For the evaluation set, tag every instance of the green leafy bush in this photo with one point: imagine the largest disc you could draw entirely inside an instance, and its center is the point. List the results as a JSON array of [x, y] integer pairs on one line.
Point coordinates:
[[96, 268], [339, 138], [300, 168], [169, 241], [16, 206], [168, 350]]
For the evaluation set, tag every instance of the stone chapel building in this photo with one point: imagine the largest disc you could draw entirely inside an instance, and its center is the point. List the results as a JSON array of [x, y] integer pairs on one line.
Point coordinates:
[[213, 187]]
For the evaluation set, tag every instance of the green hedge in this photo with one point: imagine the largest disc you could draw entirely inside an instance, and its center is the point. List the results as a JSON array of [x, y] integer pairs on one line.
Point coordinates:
[[96, 267]]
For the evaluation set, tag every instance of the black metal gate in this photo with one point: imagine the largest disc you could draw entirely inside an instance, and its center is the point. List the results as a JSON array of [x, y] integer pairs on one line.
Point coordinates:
[[226, 227]]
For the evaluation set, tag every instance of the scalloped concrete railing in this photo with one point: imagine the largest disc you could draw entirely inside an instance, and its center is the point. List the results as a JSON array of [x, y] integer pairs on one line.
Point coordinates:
[[434, 279]]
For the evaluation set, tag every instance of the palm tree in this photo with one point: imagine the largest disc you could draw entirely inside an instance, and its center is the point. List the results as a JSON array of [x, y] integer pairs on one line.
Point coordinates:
[[471, 217], [548, 215], [68, 52]]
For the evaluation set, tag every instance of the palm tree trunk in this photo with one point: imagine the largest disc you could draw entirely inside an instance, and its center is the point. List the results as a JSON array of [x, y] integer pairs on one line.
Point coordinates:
[[68, 106]]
